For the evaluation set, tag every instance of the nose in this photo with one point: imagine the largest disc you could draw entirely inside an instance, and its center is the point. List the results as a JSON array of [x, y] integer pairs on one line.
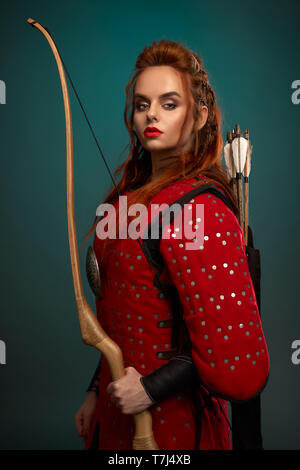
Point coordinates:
[[152, 113]]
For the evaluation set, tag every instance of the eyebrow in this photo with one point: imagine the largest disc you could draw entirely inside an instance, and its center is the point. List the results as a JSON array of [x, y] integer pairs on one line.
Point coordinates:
[[164, 95]]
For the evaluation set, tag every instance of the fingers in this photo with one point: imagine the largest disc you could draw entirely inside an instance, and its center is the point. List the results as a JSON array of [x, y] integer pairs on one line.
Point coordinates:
[[113, 388], [87, 424], [79, 423], [83, 423]]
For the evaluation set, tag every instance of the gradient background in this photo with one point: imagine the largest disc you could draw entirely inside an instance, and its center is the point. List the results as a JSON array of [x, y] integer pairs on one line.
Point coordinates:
[[251, 53]]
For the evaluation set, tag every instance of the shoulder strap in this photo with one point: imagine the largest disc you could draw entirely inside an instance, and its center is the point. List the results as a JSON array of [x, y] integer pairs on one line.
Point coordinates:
[[151, 247]]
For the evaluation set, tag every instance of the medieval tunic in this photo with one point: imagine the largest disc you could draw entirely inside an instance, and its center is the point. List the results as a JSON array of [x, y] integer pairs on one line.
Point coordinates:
[[216, 291]]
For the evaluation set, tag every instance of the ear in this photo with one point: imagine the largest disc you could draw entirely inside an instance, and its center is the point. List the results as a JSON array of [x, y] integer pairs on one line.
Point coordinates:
[[201, 121]]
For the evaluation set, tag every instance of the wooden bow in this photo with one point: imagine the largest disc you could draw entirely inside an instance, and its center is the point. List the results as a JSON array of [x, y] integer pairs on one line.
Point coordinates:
[[91, 331]]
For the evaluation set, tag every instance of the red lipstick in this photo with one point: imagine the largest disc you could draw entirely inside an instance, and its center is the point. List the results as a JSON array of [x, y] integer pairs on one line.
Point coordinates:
[[152, 132]]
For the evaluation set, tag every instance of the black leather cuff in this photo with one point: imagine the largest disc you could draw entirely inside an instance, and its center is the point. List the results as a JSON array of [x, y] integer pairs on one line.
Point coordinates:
[[172, 377]]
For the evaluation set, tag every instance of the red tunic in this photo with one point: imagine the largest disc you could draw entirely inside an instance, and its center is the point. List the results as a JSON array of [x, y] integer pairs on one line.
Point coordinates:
[[221, 315]]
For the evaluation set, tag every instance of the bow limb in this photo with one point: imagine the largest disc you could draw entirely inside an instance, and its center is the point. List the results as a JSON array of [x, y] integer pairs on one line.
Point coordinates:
[[91, 330]]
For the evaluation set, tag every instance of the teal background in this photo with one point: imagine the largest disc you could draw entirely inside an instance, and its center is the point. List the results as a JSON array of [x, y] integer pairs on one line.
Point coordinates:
[[251, 53]]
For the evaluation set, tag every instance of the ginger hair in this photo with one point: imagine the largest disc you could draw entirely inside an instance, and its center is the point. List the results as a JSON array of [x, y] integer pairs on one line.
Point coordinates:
[[205, 159]]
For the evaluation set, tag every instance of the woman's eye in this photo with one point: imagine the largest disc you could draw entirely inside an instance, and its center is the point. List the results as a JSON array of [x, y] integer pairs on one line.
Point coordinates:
[[171, 104], [138, 106]]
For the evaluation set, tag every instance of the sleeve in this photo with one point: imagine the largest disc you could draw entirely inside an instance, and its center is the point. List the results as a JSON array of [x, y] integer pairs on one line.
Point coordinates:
[[172, 377], [218, 299], [94, 383]]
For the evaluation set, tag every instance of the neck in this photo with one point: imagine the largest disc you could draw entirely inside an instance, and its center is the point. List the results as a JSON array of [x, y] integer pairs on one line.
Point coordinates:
[[161, 164]]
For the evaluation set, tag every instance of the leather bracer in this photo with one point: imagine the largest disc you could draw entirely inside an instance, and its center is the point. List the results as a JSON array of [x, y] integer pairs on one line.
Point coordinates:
[[170, 378]]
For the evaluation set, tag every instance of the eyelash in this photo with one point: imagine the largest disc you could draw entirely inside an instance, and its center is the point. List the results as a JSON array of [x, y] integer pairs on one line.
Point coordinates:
[[167, 104]]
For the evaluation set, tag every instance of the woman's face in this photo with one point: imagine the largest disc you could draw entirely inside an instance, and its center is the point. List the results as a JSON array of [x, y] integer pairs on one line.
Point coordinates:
[[153, 108]]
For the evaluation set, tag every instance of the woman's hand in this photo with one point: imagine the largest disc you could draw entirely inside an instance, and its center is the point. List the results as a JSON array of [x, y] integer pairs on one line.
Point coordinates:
[[84, 415], [128, 393]]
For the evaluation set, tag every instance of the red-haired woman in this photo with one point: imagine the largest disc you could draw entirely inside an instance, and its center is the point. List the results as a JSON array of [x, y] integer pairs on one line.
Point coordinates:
[[185, 369]]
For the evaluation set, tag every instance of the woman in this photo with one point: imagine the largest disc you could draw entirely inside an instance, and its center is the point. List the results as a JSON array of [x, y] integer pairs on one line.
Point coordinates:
[[176, 145]]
